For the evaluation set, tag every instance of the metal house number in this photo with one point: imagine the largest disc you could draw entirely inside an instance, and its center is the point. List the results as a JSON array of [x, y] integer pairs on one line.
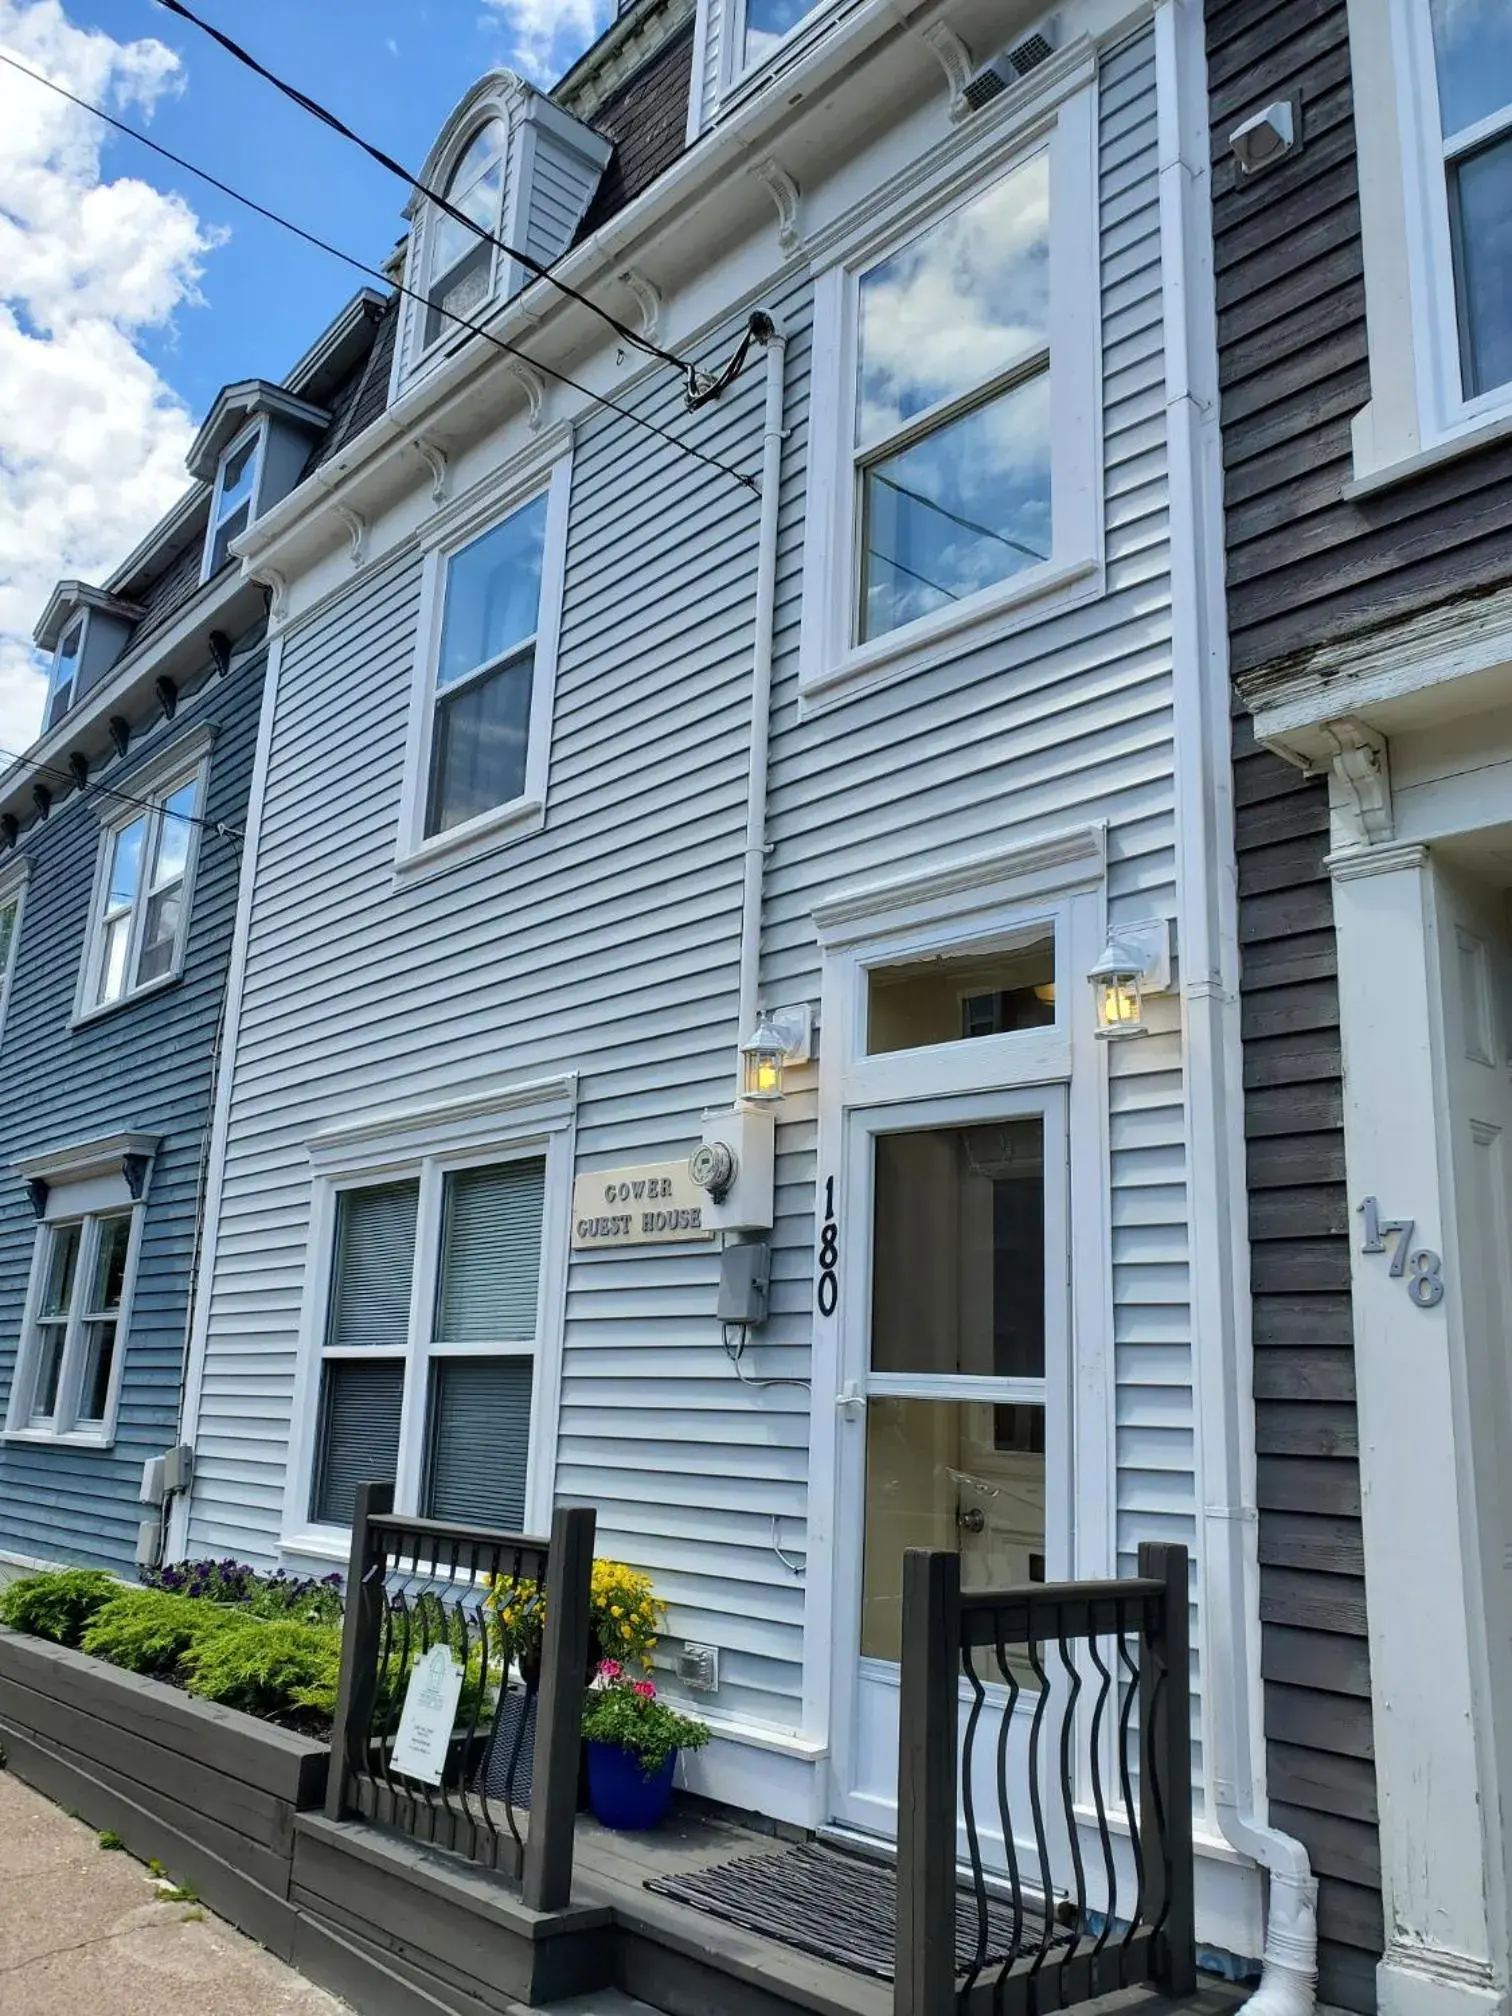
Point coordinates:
[[829, 1254], [1420, 1268]]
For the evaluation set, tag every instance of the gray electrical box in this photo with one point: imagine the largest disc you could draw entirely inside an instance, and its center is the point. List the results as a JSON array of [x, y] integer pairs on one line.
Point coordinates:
[[698, 1668], [745, 1274], [149, 1545], [152, 1481], [178, 1468]]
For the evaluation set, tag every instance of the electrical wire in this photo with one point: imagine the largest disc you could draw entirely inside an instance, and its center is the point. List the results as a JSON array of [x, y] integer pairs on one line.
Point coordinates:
[[736, 1352], [376, 273], [698, 386], [125, 797]]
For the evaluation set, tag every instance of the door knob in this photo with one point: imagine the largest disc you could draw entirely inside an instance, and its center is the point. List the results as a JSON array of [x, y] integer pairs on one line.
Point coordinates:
[[972, 1520]]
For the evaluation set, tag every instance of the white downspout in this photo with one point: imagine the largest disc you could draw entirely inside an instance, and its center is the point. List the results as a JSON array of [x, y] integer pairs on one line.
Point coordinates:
[[761, 690], [1233, 1691]]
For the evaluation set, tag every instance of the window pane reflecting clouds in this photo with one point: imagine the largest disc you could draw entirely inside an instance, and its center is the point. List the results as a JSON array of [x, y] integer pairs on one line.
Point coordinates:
[[767, 21], [1483, 230], [1472, 41], [482, 738], [959, 511], [493, 594], [965, 301], [475, 188], [126, 864]]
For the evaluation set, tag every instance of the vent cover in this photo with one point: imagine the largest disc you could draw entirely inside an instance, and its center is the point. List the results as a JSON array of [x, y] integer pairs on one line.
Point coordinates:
[[994, 78]]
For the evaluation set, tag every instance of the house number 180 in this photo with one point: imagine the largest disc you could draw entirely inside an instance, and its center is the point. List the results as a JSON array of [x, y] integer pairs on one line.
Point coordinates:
[[1421, 1269]]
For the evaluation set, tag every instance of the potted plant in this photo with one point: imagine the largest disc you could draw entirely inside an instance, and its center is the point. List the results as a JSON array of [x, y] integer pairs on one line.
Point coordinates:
[[633, 1741]]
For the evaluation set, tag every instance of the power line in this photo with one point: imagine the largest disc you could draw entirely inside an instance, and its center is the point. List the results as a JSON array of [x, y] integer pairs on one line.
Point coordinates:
[[699, 386], [376, 273], [113, 791], [971, 524]]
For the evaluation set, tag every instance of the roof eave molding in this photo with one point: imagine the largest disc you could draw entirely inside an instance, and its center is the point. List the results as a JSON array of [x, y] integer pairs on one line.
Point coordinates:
[[65, 602], [235, 405]]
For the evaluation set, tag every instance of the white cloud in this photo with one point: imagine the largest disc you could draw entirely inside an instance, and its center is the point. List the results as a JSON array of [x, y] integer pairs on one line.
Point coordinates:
[[547, 36], [92, 438]]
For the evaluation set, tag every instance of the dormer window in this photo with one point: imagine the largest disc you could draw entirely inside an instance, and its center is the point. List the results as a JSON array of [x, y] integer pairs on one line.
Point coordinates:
[[235, 493], [65, 671], [462, 263]]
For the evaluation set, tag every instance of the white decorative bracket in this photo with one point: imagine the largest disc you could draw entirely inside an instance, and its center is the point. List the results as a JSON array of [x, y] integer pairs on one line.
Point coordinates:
[[955, 59], [1363, 773], [784, 192], [357, 531], [439, 465], [534, 385], [648, 300], [277, 586]]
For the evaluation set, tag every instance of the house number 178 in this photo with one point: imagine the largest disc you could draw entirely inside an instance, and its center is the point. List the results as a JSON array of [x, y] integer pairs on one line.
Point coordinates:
[[1420, 1268]]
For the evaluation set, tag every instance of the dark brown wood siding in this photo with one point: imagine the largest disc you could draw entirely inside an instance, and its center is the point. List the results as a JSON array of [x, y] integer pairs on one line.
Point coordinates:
[[1305, 565]]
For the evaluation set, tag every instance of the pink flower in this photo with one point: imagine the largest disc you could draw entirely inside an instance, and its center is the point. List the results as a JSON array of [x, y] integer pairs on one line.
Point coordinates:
[[610, 1670], [645, 1690]]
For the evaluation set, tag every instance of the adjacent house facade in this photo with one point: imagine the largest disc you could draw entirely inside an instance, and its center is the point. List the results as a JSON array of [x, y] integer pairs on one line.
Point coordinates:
[[662, 1068], [1364, 290], [123, 840]]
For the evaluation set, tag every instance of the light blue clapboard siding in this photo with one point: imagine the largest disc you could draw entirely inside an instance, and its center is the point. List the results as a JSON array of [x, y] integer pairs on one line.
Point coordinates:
[[608, 945], [147, 1068]]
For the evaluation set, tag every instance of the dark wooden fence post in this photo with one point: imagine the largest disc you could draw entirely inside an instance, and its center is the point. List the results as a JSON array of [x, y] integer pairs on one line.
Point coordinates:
[[928, 1707], [1165, 1776], [559, 1711], [361, 1630]]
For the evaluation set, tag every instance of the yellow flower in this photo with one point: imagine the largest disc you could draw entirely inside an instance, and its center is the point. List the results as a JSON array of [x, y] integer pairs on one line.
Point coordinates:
[[615, 1610], [626, 1632]]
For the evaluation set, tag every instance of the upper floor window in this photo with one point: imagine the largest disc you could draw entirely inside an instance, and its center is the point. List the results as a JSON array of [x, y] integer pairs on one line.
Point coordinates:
[[767, 23], [65, 672], [12, 889], [1472, 43], [460, 275], [482, 717], [235, 493], [142, 903]]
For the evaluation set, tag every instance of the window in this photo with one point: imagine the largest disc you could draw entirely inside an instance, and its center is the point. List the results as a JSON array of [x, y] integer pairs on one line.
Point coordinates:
[[951, 999], [955, 457], [460, 267], [65, 672], [461, 1352], [482, 720], [67, 1372], [11, 891], [142, 908], [1472, 45], [768, 23], [233, 506]]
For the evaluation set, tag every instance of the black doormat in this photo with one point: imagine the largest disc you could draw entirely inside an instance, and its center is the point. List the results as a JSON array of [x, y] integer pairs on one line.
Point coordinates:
[[839, 1908]]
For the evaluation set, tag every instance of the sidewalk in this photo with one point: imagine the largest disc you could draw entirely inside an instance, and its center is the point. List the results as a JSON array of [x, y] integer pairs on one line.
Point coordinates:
[[84, 1929]]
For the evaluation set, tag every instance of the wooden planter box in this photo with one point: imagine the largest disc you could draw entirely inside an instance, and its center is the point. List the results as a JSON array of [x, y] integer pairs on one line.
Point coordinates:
[[207, 1791]]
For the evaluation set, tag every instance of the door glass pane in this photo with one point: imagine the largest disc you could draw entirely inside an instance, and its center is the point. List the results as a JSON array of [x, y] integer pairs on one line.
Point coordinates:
[[948, 1000], [493, 594], [1472, 41], [1483, 255], [767, 21], [958, 1273], [963, 1477], [959, 511], [482, 740]]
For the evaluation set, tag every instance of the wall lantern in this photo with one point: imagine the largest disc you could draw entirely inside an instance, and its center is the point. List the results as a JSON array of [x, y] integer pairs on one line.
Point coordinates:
[[1135, 964], [782, 1036]]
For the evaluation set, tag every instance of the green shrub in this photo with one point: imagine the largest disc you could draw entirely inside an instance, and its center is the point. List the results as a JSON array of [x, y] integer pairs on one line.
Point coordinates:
[[57, 1603], [267, 1667], [148, 1631]]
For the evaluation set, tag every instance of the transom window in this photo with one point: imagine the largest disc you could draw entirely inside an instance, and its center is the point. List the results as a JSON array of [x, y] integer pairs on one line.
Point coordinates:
[[143, 910], [66, 1372], [232, 507], [450, 1357], [65, 672], [461, 263], [952, 445], [1472, 44]]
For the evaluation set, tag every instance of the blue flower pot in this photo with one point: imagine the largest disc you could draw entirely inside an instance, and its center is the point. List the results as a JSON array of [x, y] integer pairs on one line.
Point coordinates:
[[623, 1796]]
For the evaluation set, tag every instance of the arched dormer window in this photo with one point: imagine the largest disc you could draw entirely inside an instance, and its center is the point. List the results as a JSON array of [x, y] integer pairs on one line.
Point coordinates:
[[460, 275]]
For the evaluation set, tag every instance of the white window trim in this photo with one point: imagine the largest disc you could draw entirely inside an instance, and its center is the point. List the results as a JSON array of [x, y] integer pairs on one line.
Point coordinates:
[[503, 231], [84, 1182], [499, 1124], [959, 908], [259, 428], [831, 665], [737, 78], [13, 883], [184, 760], [1417, 415], [446, 535]]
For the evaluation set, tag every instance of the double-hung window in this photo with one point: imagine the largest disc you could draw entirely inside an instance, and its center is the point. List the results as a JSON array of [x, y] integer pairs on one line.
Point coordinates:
[[12, 889], [232, 506], [68, 1369], [956, 438], [142, 902], [430, 1341], [766, 24], [460, 265], [65, 672], [482, 706], [1472, 46]]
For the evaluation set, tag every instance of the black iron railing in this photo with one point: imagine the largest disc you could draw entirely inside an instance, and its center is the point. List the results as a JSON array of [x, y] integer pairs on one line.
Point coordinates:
[[508, 1791], [1044, 1744]]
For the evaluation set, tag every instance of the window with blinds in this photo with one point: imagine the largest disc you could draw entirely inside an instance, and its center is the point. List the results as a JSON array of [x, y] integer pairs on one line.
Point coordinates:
[[366, 1346], [479, 1446], [491, 1255]]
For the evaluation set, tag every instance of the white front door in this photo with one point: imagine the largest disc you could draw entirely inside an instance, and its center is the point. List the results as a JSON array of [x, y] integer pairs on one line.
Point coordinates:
[[954, 1346]]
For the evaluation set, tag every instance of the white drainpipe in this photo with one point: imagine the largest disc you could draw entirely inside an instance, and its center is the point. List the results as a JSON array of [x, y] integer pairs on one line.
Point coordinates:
[[1233, 1692], [761, 692]]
